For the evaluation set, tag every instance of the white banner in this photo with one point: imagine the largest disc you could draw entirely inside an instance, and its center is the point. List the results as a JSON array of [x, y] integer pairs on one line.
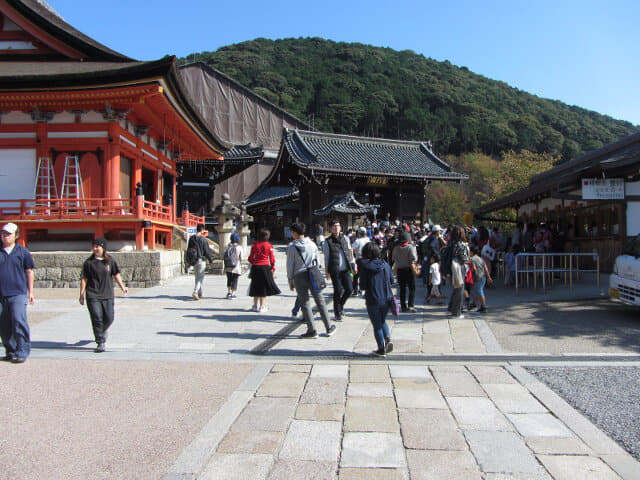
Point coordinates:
[[602, 189]]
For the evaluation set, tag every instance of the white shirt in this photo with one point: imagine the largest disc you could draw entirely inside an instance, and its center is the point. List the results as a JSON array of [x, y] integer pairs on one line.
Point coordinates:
[[434, 273], [358, 245]]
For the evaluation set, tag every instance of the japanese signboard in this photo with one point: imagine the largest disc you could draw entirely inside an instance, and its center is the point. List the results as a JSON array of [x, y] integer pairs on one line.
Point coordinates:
[[602, 189]]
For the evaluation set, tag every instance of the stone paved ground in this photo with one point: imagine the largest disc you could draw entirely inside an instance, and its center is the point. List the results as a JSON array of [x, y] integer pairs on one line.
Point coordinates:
[[206, 389]]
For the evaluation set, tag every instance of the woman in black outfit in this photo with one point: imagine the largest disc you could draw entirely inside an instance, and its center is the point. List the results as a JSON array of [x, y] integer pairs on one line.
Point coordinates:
[[97, 284]]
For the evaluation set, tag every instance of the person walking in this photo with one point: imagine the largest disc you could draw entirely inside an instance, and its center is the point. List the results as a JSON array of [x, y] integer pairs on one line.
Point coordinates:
[[263, 267], [361, 240], [96, 284], [460, 257], [200, 244], [376, 278], [481, 275], [404, 254], [302, 253], [340, 267], [16, 289], [232, 259]]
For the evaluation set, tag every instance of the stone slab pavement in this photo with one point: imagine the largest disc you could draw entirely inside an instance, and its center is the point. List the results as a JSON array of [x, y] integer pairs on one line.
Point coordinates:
[[207, 389]]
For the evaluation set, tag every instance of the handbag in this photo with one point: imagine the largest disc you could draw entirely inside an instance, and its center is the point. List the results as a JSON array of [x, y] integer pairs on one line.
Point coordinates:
[[416, 270], [457, 279], [316, 278], [394, 305], [469, 276]]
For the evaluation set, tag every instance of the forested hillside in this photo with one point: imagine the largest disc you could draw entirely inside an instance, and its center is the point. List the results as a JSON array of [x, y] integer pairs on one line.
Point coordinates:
[[363, 90]]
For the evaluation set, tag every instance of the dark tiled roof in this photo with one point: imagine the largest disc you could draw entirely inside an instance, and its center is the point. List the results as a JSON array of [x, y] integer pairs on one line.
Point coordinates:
[[41, 14], [617, 158], [372, 156], [346, 203], [268, 194], [244, 153]]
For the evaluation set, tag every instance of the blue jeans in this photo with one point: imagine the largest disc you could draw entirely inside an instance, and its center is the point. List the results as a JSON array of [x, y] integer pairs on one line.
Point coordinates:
[[199, 269], [101, 313], [378, 317], [478, 287], [14, 329]]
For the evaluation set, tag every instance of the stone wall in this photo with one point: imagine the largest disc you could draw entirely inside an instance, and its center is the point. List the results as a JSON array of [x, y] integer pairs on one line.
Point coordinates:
[[138, 269]]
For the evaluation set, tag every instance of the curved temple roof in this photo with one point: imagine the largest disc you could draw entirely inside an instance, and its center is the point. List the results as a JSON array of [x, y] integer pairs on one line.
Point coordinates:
[[371, 156]]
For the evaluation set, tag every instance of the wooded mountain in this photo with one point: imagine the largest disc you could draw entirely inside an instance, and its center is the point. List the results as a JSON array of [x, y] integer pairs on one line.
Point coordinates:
[[358, 89]]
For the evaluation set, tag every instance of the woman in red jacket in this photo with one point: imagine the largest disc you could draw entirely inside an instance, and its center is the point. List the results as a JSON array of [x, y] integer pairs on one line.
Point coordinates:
[[263, 265]]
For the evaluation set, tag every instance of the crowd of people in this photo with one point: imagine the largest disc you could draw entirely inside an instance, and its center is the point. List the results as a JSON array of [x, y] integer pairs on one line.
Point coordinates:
[[454, 263]]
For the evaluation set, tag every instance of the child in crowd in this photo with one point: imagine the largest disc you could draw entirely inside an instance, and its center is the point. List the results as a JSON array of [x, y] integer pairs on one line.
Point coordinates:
[[481, 275], [435, 280], [509, 267]]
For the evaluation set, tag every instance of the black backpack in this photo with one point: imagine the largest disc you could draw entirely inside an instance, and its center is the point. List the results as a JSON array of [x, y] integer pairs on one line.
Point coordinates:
[[191, 256]]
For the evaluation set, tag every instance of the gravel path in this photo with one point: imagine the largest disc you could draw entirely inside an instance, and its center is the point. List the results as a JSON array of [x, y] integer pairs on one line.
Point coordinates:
[[608, 396]]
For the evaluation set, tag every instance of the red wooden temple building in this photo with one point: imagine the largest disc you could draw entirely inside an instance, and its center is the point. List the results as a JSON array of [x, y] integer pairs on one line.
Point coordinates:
[[90, 140]]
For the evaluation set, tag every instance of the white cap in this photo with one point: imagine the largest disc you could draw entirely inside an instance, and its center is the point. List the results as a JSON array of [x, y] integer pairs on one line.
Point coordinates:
[[10, 228], [436, 228]]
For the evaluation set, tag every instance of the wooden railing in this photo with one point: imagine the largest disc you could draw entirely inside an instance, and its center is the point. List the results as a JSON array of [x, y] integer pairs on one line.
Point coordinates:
[[93, 209], [190, 220]]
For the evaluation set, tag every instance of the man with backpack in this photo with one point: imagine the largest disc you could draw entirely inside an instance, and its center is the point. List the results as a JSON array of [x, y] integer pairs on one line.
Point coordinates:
[[198, 252]]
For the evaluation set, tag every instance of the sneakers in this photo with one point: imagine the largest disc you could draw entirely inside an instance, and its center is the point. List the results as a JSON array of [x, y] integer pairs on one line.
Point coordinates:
[[310, 334], [388, 346], [337, 318], [228, 297], [412, 310], [380, 353], [100, 348], [7, 358], [263, 310], [482, 309], [331, 331], [18, 359], [233, 296], [459, 317], [254, 308], [195, 296]]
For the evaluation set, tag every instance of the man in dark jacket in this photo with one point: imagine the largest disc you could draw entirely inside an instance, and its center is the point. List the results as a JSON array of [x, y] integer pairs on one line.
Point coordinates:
[[16, 289], [340, 267], [199, 242]]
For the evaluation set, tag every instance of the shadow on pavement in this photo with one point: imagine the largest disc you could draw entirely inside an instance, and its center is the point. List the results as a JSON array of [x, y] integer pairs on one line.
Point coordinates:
[[601, 321], [68, 346]]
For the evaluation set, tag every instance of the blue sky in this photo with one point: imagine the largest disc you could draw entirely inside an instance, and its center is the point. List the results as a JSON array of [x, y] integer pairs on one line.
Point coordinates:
[[584, 53]]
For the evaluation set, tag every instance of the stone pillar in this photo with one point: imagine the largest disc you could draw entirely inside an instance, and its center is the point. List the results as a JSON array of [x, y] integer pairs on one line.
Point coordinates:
[[224, 229], [245, 232]]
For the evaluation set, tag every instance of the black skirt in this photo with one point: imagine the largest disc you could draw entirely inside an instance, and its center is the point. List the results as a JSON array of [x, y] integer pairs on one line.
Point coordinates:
[[262, 282]]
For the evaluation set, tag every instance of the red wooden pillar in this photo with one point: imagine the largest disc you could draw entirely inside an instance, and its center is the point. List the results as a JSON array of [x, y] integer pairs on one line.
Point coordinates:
[[139, 236], [111, 169], [151, 239]]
